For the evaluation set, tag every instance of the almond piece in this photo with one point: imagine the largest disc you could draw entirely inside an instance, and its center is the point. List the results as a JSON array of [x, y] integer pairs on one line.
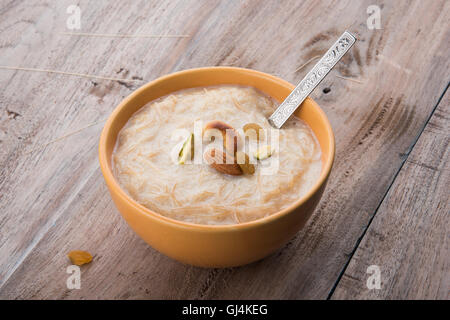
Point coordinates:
[[217, 160], [229, 135], [254, 130], [244, 162]]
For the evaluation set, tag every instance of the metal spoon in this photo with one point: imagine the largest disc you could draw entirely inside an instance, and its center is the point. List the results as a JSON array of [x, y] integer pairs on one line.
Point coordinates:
[[312, 80]]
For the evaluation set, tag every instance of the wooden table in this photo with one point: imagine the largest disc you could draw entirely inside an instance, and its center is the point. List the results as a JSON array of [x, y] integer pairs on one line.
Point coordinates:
[[385, 204]]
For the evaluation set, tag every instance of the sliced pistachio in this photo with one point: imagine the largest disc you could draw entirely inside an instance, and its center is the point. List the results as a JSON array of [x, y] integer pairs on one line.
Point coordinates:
[[243, 161], [263, 152], [254, 130], [187, 150]]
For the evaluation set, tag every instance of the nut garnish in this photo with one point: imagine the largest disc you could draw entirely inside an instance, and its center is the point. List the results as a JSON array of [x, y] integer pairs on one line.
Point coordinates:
[[229, 135], [254, 131], [79, 257], [263, 152], [244, 162], [187, 150], [218, 160]]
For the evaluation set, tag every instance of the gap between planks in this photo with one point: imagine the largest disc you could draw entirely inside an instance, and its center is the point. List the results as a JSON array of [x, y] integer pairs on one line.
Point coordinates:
[[358, 242]]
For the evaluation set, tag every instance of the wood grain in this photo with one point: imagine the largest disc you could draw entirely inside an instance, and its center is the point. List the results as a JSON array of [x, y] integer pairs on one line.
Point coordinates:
[[54, 200], [409, 236]]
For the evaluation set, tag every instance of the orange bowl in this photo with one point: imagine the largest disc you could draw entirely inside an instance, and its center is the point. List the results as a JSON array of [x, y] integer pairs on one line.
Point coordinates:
[[215, 245]]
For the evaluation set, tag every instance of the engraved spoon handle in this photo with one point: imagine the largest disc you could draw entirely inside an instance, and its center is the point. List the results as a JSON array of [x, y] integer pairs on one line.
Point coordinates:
[[312, 80]]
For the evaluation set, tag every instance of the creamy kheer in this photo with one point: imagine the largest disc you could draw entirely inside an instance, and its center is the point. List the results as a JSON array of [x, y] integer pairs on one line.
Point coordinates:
[[194, 191]]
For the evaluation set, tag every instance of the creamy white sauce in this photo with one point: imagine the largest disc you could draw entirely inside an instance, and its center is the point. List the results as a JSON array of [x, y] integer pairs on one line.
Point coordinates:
[[144, 167]]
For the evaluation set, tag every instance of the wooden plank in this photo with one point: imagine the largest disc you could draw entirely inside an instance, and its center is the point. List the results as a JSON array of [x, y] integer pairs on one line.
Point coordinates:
[[54, 200], [38, 187], [408, 238]]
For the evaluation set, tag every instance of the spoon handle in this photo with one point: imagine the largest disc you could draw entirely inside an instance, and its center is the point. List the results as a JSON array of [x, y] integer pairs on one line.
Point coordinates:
[[312, 79]]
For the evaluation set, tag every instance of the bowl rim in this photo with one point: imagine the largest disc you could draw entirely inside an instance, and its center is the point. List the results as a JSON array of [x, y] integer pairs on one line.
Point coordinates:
[[114, 186]]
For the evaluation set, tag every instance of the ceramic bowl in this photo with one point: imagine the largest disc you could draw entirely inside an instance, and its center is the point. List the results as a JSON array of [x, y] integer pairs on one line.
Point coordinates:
[[212, 245]]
